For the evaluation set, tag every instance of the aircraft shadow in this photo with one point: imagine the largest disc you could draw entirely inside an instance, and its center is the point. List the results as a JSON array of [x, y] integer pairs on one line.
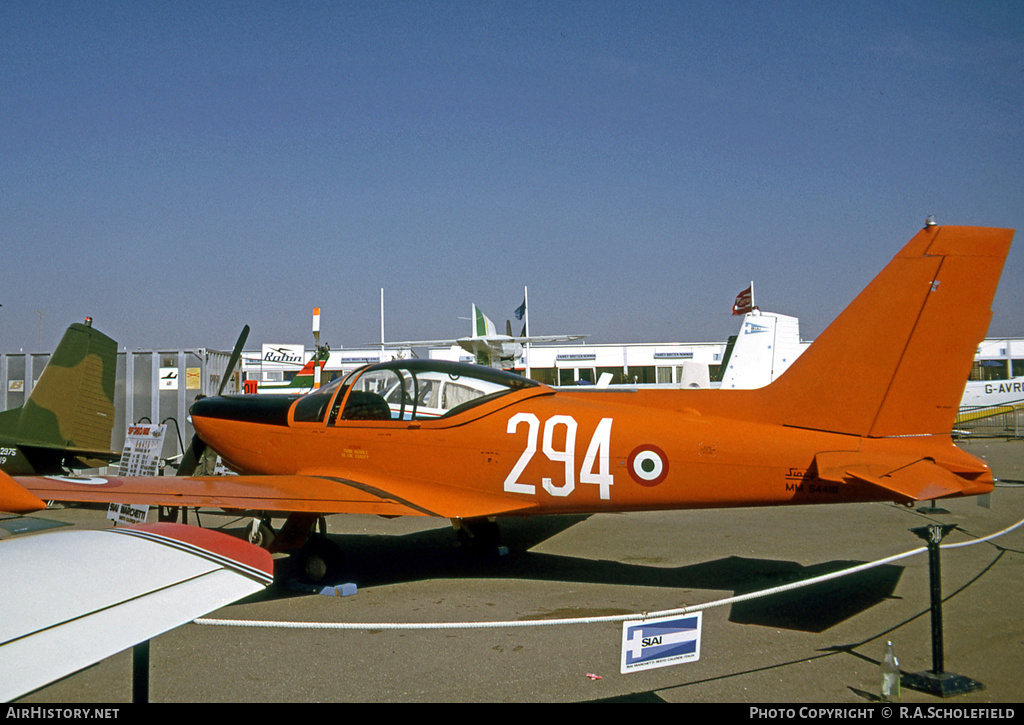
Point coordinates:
[[374, 560]]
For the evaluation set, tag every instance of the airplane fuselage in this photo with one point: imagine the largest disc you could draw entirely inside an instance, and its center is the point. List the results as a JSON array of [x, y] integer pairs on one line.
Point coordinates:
[[562, 452]]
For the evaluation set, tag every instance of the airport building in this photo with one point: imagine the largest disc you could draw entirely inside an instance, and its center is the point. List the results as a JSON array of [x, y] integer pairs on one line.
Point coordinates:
[[997, 360], [643, 363]]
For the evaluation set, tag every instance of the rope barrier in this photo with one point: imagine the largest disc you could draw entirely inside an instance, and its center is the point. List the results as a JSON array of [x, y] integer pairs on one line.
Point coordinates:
[[643, 616]]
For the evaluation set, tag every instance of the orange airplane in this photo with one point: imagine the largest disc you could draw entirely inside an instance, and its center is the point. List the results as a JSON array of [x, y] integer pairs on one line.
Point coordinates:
[[865, 414]]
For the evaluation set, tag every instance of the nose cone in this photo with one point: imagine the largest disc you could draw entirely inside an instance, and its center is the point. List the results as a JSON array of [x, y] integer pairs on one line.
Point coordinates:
[[261, 409]]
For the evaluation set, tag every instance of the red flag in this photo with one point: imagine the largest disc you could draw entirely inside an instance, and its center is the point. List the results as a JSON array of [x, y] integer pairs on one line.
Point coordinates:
[[744, 302]]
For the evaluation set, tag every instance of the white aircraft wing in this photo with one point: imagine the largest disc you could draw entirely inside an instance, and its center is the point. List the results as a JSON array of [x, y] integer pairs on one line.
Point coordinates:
[[547, 338], [485, 332], [72, 598], [414, 343]]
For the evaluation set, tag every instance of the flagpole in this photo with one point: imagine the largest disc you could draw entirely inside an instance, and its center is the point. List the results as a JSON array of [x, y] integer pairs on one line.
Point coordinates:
[[526, 311], [752, 305], [526, 320]]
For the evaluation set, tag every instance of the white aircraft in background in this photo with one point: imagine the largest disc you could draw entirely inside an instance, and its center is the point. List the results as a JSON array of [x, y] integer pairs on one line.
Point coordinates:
[[767, 344], [486, 344]]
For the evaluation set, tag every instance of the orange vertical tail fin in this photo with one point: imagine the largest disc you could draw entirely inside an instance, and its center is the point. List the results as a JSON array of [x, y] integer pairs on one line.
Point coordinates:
[[896, 360]]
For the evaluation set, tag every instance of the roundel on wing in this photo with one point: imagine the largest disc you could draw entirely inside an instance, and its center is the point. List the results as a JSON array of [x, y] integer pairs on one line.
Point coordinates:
[[648, 465]]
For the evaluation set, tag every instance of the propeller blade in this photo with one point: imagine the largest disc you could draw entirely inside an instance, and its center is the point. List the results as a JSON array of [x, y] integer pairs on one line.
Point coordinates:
[[233, 360], [190, 458]]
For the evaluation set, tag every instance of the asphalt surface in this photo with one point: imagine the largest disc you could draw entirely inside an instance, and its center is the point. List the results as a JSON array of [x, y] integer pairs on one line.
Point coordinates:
[[819, 644]]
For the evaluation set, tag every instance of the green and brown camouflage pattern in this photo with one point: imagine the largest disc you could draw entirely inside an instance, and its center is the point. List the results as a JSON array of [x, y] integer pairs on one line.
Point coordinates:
[[68, 418]]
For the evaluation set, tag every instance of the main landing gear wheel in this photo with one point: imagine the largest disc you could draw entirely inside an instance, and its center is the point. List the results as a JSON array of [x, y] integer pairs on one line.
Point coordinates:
[[320, 560], [480, 536], [313, 558]]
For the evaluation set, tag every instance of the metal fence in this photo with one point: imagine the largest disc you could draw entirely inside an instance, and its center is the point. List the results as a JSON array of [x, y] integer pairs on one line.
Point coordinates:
[[998, 421]]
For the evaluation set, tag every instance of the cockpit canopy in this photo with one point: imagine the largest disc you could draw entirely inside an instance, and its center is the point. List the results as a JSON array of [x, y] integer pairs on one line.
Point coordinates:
[[407, 390]]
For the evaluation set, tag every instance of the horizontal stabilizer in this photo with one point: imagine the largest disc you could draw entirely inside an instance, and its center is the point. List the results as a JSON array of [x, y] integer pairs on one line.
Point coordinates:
[[919, 479]]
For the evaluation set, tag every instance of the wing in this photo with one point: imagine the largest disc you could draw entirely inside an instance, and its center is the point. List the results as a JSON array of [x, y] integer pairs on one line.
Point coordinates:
[[548, 338], [381, 495], [415, 343], [483, 338], [72, 598]]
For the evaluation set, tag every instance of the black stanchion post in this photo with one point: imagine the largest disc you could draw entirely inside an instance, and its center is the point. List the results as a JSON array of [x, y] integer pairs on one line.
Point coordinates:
[[937, 681], [140, 672]]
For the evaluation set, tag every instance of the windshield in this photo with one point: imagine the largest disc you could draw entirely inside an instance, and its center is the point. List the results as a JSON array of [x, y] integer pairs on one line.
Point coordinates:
[[312, 407], [424, 389]]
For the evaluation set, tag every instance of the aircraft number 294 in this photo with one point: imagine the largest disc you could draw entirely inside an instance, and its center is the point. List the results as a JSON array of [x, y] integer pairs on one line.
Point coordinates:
[[595, 469]]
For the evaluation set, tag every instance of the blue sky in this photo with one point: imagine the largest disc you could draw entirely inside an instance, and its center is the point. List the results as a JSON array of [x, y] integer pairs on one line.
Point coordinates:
[[179, 169]]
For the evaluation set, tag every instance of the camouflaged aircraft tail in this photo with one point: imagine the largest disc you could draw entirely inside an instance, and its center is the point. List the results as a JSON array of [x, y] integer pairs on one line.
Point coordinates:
[[71, 406]]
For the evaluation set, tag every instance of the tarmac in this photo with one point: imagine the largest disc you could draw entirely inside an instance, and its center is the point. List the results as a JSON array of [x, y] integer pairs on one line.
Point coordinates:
[[816, 644]]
